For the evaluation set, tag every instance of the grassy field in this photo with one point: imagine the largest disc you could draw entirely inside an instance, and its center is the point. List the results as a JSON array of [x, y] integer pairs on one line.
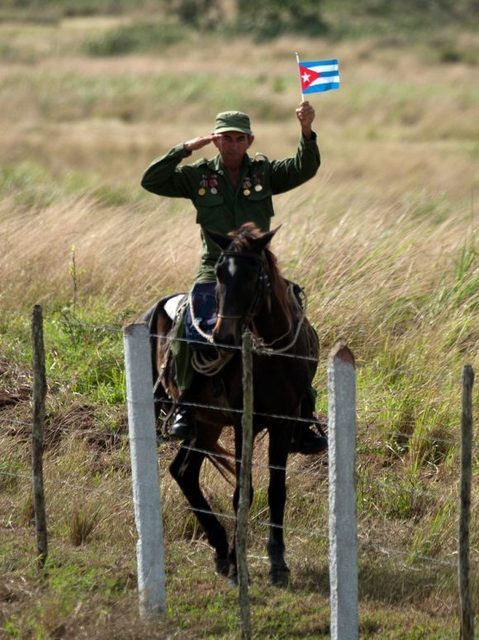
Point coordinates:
[[384, 240]]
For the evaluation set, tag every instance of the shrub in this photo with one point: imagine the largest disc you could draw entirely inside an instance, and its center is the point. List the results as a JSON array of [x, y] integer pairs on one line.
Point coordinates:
[[140, 36], [271, 18], [199, 14]]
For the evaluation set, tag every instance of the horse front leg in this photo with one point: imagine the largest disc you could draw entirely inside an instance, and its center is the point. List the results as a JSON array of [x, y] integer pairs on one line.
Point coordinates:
[[279, 439], [185, 469]]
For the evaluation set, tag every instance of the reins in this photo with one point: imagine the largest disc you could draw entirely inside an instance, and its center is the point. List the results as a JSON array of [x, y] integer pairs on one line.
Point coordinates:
[[211, 366], [207, 366], [259, 343], [207, 336]]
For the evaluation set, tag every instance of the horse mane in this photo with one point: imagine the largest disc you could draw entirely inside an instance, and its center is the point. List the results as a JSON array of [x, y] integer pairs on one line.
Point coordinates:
[[242, 242]]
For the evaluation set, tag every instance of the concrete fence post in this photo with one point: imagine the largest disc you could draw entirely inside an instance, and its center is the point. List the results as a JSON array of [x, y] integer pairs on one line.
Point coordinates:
[[342, 495], [144, 468]]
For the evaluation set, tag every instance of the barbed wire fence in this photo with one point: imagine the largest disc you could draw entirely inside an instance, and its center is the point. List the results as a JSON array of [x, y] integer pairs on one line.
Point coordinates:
[[342, 503], [365, 540]]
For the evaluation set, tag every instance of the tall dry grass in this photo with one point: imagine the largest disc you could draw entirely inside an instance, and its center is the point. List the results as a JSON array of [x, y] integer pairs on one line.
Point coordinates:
[[126, 255], [384, 240]]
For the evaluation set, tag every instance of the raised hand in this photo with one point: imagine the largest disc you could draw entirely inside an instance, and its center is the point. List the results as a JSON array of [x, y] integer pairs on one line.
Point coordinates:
[[305, 114], [198, 143]]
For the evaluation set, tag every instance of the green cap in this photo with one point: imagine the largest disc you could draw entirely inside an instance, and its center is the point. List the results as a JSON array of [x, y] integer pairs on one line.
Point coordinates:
[[232, 121]]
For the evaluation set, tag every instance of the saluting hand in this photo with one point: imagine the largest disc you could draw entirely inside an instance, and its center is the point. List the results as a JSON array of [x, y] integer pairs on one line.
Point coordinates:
[[305, 114], [198, 143]]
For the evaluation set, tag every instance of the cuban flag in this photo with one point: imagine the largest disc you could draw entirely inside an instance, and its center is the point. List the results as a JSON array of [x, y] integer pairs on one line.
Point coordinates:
[[321, 75]]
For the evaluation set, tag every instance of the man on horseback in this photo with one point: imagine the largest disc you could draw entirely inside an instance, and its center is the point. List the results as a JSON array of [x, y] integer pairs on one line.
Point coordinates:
[[228, 191]]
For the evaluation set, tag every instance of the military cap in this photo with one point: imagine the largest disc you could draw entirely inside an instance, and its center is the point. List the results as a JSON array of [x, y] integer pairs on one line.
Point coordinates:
[[232, 121]]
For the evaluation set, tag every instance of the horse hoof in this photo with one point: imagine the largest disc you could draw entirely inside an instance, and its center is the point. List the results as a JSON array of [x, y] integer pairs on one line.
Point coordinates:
[[233, 581], [279, 576], [233, 577], [222, 565]]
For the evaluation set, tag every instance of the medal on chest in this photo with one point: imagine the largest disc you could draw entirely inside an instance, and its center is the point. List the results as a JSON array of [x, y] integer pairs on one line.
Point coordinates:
[[208, 183], [203, 185], [257, 179], [246, 186], [213, 184]]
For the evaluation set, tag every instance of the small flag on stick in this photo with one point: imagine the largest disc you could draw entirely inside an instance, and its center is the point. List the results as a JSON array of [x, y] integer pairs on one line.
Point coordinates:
[[319, 75]]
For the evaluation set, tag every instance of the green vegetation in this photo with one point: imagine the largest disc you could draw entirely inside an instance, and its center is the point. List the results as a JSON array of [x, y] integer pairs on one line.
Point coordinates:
[[384, 240], [141, 36]]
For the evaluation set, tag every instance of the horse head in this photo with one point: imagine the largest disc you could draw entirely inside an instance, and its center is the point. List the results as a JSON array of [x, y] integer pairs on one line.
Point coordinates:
[[243, 280]]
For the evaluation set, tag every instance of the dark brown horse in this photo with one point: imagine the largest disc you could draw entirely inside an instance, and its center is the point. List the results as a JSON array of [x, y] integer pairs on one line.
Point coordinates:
[[250, 293]]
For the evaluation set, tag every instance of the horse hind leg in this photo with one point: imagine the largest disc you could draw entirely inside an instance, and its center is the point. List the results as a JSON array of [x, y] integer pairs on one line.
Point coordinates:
[[185, 469]]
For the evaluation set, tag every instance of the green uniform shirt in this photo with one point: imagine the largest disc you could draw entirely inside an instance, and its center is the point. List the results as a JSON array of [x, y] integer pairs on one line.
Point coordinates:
[[219, 206]]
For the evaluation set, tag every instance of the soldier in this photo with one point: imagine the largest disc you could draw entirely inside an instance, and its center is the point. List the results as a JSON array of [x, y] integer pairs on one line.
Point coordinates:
[[227, 191]]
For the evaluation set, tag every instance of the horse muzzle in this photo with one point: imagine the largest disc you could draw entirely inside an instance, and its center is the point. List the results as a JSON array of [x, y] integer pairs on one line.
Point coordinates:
[[227, 331]]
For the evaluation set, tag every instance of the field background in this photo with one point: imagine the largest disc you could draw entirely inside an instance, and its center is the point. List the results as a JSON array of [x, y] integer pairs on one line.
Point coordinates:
[[384, 239]]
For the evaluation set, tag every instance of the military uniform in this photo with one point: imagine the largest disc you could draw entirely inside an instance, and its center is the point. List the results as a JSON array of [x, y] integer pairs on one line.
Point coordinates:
[[219, 206], [222, 207]]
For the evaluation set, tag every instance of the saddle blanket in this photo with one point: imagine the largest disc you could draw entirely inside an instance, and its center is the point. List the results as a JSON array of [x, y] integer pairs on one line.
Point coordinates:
[[204, 303], [172, 305], [203, 299]]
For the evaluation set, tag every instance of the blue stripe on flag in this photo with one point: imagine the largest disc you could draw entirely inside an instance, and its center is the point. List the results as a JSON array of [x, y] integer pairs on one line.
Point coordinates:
[[314, 88]]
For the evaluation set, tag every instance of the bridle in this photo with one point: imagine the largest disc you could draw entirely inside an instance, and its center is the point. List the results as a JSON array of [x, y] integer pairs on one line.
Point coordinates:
[[262, 286], [263, 289], [211, 366]]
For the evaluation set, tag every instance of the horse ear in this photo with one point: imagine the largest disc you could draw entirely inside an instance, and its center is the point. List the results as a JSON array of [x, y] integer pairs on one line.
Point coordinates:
[[222, 241], [264, 239]]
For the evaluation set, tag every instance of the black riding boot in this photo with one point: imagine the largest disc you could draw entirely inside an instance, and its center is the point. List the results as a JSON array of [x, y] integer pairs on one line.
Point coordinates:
[[182, 427], [306, 440], [305, 437]]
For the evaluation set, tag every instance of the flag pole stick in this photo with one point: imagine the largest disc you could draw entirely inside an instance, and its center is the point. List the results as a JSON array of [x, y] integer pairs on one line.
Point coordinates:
[[300, 85]]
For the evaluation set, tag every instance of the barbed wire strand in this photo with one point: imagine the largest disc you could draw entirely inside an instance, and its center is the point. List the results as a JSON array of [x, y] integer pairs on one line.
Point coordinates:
[[371, 431], [410, 436], [164, 473], [258, 349], [120, 329], [312, 533], [200, 405], [114, 328]]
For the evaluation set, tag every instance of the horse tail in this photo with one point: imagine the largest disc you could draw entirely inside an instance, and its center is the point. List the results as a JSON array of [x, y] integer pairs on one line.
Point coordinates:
[[150, 318], [223, 461], [153, 318]]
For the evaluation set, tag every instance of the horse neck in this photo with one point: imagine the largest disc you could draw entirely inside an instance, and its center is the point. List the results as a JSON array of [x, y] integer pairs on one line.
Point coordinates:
[[274, 322]]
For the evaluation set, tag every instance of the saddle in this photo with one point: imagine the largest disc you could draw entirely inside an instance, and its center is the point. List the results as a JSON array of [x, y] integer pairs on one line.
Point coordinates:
[[187, 346]]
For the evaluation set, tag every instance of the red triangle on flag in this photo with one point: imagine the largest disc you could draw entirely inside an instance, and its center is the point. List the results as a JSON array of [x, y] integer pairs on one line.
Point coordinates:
[[307, 76]]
